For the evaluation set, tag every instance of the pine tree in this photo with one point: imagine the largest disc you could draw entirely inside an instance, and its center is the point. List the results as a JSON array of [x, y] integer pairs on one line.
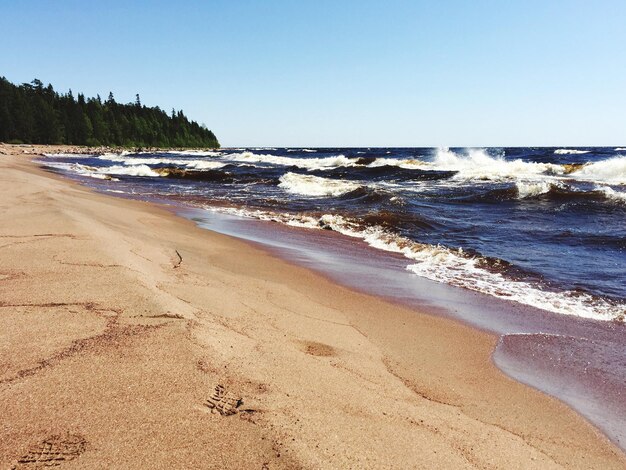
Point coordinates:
[[34, 113]]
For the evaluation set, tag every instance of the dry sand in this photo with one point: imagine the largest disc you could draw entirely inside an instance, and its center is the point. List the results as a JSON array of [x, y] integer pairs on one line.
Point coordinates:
[[110, 348]]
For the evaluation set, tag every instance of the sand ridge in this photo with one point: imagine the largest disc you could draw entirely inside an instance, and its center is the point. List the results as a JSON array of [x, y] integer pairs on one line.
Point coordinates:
[[163, 345]]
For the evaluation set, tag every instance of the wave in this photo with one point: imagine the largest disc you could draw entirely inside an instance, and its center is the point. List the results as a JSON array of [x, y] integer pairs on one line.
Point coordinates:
[[620, 149], [206, 175], [558, 191], [307, 163], [203, 153], [67, 155], [77, 168], [323, 163], [611, 194], [527, 189], [531, 176], [309, 185], [102, 172], [134, 160], [301, 150], [612, 171], [477, 164], [134, 170], [571, 152], [452, 266]]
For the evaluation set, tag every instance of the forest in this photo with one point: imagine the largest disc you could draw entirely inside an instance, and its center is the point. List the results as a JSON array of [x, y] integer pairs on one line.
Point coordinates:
[[32, 113]]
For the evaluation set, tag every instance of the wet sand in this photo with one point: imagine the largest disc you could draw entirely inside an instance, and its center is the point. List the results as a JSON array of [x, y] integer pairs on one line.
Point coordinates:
[[118, 320]]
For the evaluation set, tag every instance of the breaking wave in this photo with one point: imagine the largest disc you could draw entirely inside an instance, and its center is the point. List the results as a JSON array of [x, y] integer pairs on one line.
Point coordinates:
[[134, 160], [452, 266], [556, 190], [570, 152], [532, 189], [309, 185], [612, 171], [102, 172], [477, 164], [611, 194], [307, 163]]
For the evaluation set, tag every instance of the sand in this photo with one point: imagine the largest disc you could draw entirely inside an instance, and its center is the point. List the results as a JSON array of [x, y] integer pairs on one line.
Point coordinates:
[[111, 349]]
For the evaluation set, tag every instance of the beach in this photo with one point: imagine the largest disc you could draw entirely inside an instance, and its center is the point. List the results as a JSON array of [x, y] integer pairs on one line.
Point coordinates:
[[131, 338]]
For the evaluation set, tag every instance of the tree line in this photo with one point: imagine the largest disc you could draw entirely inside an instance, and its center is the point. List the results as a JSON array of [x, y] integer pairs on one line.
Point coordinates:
[[32, 113]]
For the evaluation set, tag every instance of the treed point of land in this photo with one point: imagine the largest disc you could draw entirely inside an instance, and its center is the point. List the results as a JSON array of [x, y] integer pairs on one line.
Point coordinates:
[[32, 113]]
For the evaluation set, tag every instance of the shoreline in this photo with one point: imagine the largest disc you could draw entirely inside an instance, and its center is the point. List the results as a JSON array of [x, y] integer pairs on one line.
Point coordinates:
[[576, 360], [331, 383]]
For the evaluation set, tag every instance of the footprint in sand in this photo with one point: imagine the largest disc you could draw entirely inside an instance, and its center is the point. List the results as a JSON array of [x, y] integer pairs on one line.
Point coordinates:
[[52, 452], [318, 349], [223, 401]]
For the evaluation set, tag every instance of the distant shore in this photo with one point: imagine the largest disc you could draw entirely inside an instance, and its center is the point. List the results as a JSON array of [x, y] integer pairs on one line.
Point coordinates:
[[8, 149], [130, 338]]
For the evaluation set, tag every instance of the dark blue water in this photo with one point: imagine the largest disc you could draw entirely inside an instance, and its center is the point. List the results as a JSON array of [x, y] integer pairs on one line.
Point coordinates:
[[544, 227]]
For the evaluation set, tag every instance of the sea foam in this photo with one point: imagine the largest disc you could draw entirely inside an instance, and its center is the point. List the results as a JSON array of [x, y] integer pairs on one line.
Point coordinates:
[[477, 164], [527, 189], [309, 185], [306, 163], [570, 152], [612, 171]]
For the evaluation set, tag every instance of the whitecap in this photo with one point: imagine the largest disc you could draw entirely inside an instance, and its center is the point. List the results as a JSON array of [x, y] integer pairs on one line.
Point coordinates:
[[571, 152], [309, 185], [612, 171], [527, 189], [611, 194], [477, 164], [203, 164], [307, 163], [102, 172], [128, 170]]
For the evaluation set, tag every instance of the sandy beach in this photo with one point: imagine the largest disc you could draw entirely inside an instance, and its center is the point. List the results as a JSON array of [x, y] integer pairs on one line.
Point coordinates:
[[130, 338]]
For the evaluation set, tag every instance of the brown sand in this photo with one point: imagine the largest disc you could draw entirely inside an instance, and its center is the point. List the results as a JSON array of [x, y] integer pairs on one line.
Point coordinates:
[[110, 347]]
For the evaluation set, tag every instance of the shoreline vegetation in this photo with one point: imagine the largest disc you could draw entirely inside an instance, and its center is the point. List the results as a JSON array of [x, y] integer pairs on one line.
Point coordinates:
[[131, 338], [32, 113]]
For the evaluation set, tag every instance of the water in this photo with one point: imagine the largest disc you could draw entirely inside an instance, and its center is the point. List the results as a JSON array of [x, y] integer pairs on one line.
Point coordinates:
[[543, 227], [527, 243]]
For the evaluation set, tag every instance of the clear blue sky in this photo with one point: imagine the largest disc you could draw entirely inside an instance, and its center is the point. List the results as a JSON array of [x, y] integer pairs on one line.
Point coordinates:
[[341, 73]]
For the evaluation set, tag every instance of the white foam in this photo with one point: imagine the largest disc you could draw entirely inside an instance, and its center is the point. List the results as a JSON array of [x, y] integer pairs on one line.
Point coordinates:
[[189, 164], [66, 155], [570, 152], [454, 267], [205, 153], [612, 171], [307, 163], [115, 156], [532, 188], [204, 165], [611, 194], [477, 164], [102, 172], [129, 170], [309, 185]]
